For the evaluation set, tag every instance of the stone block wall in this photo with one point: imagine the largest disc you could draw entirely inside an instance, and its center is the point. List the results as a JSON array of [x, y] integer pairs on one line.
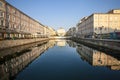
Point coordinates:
[[12, 43]]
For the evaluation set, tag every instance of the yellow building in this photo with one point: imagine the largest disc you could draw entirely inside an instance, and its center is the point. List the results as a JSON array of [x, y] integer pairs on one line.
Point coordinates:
[[16, 24], [99, 23], [49, 32]]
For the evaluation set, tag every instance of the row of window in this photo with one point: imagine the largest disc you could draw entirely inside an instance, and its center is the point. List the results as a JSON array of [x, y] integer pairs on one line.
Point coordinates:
[[107, 17]]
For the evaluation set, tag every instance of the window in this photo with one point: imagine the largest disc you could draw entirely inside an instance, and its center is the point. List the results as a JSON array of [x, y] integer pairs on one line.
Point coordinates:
[[1, 14], [105, 28], [95, 28], [115, 18], [13, 19], [9, 17], [1, 22], [111, 18], [1, 4], [13, 11], [13, 26], [8, 8], [9, 25]]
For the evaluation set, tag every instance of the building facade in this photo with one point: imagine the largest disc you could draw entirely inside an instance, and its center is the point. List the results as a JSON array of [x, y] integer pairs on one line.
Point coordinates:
[[51, 31], [61, 32], [71, 32], [16, 24], [99, 23], [48, 31]]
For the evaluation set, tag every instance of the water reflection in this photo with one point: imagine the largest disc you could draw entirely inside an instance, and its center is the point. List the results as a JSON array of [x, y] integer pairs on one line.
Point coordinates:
[[97, 58], [56, 61], [61, 43], [12, 63]]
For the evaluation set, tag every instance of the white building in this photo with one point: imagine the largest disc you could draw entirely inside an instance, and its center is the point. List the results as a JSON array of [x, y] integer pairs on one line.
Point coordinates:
[[61, 32], [99, 23]]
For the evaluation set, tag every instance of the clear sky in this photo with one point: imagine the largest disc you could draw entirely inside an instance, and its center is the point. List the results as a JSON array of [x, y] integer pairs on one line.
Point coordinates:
[[63, 13]]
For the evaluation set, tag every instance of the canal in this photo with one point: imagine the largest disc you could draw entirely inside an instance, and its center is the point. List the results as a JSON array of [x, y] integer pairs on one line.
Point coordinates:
[[58, 60]]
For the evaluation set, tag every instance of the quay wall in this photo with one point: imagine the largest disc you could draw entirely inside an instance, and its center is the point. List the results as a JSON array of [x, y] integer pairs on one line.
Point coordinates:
[[100, 43], [12, 43]]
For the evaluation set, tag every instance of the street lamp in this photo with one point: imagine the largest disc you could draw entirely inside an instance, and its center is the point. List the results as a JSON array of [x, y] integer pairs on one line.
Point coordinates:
[[115, 30], [101, 31]]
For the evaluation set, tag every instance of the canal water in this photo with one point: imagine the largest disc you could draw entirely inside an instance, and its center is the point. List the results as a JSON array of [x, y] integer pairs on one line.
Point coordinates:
[[59, 60]]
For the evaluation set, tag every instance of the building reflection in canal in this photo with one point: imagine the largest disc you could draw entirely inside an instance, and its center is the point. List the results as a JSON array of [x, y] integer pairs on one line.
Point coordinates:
[[60, 42], [14, 64], [97, 58]]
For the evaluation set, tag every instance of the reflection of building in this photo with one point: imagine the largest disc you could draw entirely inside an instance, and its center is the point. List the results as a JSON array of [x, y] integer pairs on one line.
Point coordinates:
[[61, 43], [19, 60], [51, 43], [99, 23], [97, 58], [61, 32], [71, 43]]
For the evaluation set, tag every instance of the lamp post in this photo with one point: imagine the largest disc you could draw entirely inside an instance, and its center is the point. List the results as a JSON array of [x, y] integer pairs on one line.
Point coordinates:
[[101, 31], [115, 30]]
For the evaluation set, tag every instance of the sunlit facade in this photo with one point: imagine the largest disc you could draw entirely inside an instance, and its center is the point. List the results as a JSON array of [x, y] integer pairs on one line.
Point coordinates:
[[48, 31], [99, 23], [16, 24]]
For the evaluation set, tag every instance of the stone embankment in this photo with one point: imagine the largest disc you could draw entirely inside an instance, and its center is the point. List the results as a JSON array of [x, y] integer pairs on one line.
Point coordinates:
[[113, 45], [12, 43]]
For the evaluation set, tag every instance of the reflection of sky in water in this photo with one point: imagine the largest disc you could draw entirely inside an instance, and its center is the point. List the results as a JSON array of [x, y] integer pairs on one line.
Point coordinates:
[[64, 63]]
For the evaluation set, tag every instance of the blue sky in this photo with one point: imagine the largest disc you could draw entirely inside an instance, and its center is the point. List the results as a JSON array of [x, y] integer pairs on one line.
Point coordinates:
[[63, 13]]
